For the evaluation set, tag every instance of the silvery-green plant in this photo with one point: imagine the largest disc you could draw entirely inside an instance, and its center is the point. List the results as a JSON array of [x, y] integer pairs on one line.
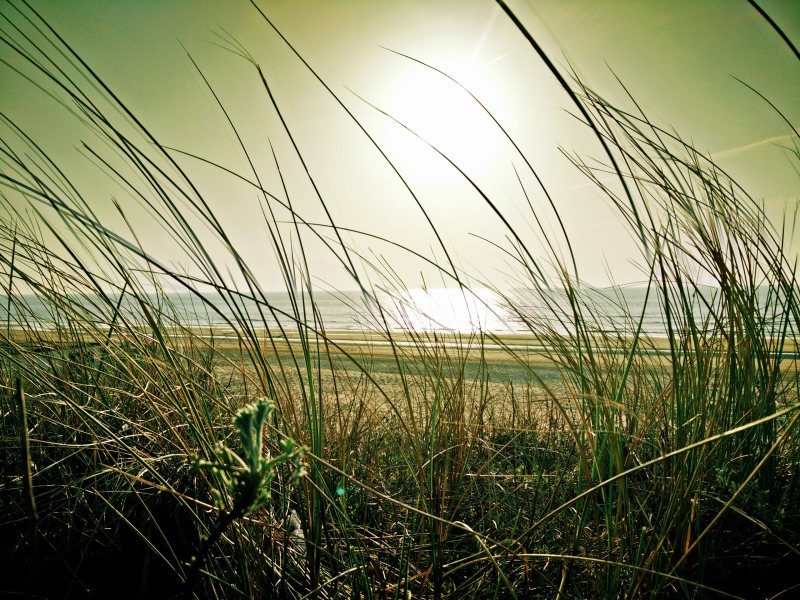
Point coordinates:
[[243, 479]]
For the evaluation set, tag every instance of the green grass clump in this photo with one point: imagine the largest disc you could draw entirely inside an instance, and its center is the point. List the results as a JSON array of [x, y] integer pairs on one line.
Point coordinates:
[[614, 464]]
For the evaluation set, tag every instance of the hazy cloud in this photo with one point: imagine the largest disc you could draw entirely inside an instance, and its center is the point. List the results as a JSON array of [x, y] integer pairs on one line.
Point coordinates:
[[738, 150]]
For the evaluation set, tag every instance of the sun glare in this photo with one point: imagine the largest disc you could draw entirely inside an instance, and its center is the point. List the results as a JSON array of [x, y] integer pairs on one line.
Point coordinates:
[[441, 113], [450, 309]]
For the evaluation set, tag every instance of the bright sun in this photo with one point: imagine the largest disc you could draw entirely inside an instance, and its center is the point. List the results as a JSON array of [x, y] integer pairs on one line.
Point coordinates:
[[444, 115]]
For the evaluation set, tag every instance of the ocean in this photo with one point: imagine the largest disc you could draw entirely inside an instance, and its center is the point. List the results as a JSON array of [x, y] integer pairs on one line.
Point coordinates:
[[517, 311]]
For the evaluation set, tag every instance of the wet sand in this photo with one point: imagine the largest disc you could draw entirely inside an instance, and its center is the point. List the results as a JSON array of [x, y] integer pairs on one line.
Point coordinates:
[[525, 350]]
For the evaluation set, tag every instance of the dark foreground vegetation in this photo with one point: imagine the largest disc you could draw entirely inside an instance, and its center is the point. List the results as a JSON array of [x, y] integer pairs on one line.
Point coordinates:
[[138, 458]]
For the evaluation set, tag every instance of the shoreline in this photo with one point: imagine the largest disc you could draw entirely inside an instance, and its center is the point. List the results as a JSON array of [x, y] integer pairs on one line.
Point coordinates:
[[506, 347]]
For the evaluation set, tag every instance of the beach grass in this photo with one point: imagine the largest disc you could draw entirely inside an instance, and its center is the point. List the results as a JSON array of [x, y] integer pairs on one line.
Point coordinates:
[[574, 460]]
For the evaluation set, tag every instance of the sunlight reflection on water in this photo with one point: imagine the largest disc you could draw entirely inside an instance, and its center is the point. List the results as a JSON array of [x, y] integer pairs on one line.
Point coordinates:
[[450, 309]]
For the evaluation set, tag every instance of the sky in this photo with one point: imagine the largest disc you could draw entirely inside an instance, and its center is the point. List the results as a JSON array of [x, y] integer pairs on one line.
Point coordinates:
[[680, 61]]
